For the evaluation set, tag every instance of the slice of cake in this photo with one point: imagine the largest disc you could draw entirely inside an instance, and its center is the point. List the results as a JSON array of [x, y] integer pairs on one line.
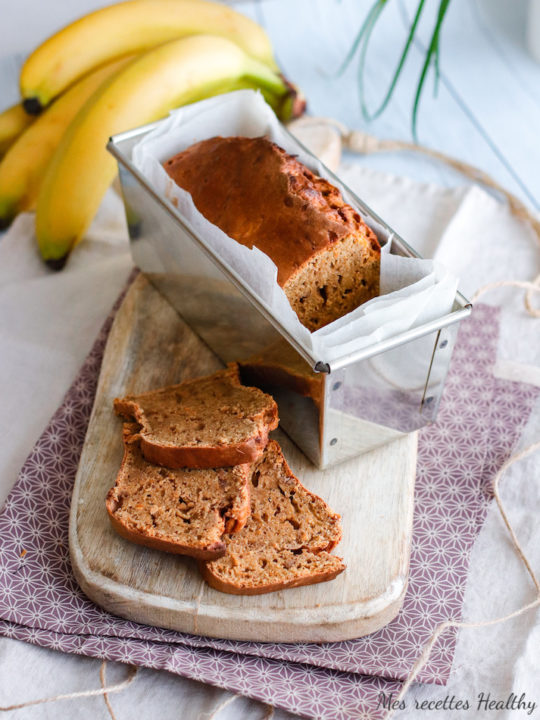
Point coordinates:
[[184, 511], [327, 258], [286, 539], [209, 422]]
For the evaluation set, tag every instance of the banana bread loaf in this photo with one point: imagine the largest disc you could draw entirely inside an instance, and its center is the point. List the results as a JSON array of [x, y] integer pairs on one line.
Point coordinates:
[[328, 259], [184, 511], [209, 422], [287, 539]]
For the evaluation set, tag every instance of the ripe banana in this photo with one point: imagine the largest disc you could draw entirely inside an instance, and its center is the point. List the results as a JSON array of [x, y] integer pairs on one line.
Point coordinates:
[[171, 75], [25, 163], [130, 27], [12, 123]]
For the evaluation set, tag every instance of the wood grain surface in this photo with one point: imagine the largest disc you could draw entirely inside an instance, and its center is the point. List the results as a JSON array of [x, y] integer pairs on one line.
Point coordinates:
[[150, 346]]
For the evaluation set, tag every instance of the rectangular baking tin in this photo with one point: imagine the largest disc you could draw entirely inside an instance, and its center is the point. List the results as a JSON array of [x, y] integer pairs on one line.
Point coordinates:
[[361, 400]]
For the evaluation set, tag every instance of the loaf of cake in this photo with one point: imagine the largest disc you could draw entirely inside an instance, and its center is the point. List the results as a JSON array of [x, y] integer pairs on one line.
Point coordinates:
[[184, 511], [328, 259], [286, 540], [209, 422]]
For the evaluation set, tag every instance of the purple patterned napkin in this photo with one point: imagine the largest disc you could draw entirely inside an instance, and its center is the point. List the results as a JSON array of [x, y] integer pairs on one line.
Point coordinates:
[[479, 422], [303, 689]]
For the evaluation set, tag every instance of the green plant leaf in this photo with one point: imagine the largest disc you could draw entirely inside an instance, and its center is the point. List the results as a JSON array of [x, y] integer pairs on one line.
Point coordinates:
[[375, 11], [361, 43], [431, 54], [397, 73]]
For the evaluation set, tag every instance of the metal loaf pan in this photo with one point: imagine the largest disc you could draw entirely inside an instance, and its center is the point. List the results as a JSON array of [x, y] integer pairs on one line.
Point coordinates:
[[333, 410]]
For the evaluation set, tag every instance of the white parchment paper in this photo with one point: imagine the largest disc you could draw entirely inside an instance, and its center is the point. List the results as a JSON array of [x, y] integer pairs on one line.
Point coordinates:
[[413, 291]]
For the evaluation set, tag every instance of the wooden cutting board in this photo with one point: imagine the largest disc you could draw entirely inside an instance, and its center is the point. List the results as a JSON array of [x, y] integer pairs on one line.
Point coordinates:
[[150, 346]]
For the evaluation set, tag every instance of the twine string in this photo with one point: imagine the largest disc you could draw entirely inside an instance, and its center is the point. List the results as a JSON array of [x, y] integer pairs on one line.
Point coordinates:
[[515, 458], [103, 681], [268, 715], [442, 627], [222, 705], [132, 672], [531, 287]]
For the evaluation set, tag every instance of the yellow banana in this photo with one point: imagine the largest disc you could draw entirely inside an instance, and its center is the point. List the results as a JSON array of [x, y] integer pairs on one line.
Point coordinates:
[[171, 75], [25, 163], [12, 123], [130, 27]]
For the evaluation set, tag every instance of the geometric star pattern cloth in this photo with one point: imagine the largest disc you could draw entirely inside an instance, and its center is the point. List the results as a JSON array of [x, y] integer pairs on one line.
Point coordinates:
[[479, 422]]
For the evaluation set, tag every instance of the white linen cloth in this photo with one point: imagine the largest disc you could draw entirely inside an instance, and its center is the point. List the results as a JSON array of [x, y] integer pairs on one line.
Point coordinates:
[[48, 322]]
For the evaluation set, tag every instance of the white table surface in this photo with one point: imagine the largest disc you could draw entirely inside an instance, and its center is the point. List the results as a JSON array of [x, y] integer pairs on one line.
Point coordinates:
[[487, 112]]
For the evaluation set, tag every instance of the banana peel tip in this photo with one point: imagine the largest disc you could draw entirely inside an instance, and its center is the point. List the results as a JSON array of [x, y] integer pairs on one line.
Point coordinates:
[[56, 263], [5, 222], [32, 106]]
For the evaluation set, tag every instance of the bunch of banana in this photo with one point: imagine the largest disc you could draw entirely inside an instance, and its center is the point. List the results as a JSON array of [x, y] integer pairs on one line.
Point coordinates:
[[117, 68], [26, 161], [174, 74], [127, 28]]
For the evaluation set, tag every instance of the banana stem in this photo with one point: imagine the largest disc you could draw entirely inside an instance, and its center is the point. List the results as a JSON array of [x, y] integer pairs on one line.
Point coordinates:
[[282, 95]]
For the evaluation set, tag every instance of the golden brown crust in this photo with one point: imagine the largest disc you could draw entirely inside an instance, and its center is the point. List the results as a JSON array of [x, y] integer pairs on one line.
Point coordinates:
[[178, 454], [326, 256], [227, 587], [205, 457], [212, 552], [232, 179]]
